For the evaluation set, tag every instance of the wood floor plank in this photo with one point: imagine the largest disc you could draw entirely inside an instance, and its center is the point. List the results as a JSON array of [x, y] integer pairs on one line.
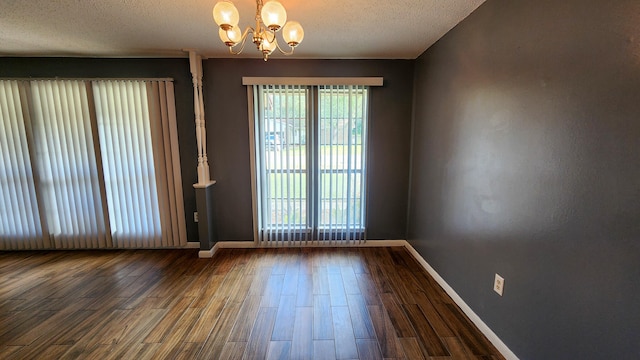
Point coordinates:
[[324, 350], [260, 337], [350, 282], [411, 348], [438, 324], [456, 348], [163, 328], [471, 338], [171, 345], [233, 350], [55, 351], [398, 317], [380, 279], [273, 303], [91, 337], [247, 316], [19, 323], [9, 351], [430, 343], [401, 286], [320, 281], [186, 351], [322, 318], [136, 325], [79, 331], [136, 351], [302, 344], [199, 284], [226, 260], [273, 290], [207, 319], [61, 321], [279, 350], [241, 288], [280, 261], [122, 337], [304, 293], [260, 280], [431, 289], [357, 262], [345, 341], [212, 288], [285, 318], [290, 281], [388, 341], [368, 349], [360, 319], [219, 334], [368, 289], [336, 288]]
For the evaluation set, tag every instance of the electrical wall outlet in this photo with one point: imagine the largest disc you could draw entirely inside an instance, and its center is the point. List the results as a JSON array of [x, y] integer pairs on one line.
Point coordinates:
[[498, 284], [195, 216]]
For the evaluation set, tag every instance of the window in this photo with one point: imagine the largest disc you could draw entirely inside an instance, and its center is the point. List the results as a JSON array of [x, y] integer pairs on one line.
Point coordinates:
[[310, 163], [89, 164]]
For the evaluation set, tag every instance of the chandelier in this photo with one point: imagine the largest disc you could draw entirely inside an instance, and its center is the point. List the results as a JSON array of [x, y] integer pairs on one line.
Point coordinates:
[[271, 17]]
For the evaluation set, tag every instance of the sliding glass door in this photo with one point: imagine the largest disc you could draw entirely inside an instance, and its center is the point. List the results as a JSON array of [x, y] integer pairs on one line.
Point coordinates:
[[310, 163]]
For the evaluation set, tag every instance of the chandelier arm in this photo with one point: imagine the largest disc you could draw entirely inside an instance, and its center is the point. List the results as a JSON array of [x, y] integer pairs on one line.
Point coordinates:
[[286, 53], [269, 31], [244, 40]]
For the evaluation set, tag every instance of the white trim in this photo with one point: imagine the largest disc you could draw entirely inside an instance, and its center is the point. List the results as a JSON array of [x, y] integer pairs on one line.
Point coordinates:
[[204, 185], [192, 245], [253, 245], [207, 254], [252, 160], [475, 319], [366, 81]]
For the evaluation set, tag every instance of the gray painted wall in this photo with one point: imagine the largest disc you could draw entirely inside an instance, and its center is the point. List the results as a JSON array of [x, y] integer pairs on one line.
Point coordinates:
[[228, 137], [526, 163]]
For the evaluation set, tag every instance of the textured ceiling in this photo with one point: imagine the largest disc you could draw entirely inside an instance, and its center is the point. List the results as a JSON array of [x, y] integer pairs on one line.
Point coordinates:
[[361, 29]]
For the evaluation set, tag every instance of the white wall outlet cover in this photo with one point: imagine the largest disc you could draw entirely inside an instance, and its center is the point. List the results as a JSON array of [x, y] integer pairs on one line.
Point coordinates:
[[498, 284], [195, 216]]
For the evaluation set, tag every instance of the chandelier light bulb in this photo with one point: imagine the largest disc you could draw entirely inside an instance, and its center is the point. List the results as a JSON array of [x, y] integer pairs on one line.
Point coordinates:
[[273, 15], [230, 37], [293, 33], [226, 15], [268, 47]]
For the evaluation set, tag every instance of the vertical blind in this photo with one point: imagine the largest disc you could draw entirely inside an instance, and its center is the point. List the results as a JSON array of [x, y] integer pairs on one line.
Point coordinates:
[[66, 164], [20, 222], [310, 161], [342, 113], [89, 170], [282, 138]]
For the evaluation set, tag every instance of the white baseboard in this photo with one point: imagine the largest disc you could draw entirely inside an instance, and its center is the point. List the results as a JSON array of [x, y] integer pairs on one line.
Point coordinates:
[[192, 245], [236, 245], [475, 319], [253, 245], [484, 329]]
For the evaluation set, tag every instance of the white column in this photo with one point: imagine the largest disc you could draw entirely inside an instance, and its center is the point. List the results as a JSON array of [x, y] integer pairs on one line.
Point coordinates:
[[195, 63]]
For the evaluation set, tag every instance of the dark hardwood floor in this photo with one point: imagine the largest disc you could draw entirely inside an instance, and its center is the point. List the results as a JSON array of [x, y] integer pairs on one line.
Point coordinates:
[[302, 303]]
